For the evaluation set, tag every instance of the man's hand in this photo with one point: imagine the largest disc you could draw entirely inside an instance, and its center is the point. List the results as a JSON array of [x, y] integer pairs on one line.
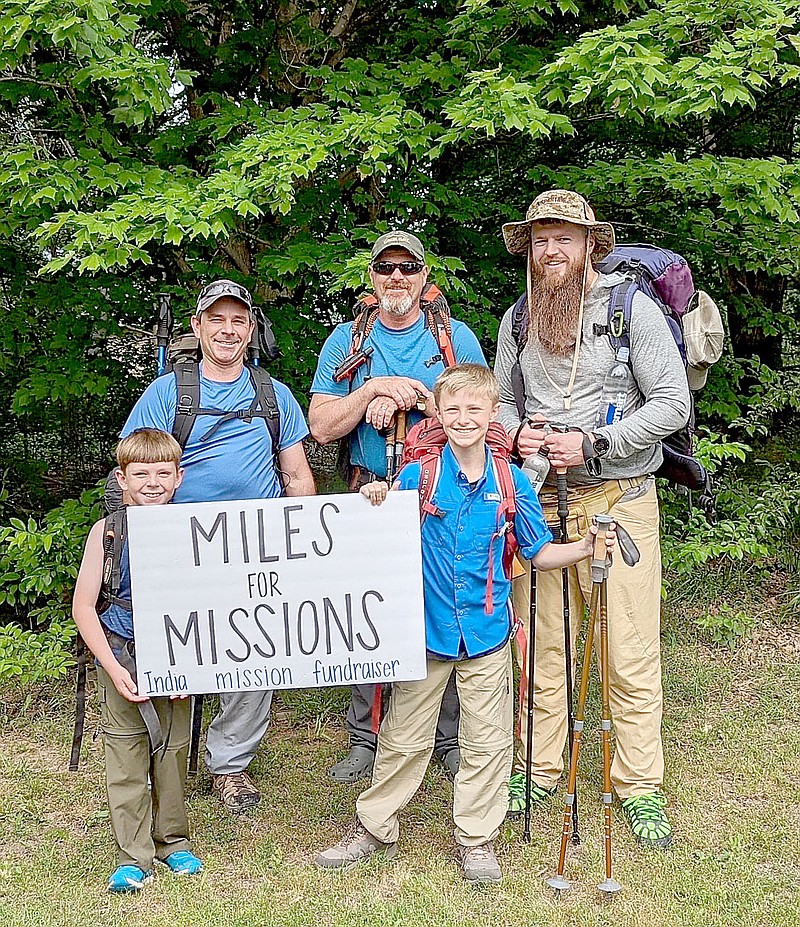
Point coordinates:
[[530, 438], [566, 450], [404, 391], [380, 412]]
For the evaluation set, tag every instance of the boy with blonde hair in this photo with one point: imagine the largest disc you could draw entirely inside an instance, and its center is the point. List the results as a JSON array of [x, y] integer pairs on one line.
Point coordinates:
[[466, 632], [147, 823]]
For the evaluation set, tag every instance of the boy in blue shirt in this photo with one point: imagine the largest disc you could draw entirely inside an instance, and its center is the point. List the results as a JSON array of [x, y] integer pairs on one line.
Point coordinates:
[[146, 823], [464, 633]]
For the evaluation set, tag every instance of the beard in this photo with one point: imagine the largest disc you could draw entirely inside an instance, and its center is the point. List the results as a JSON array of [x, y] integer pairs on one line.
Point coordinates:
[[555, 304], [397, 306]]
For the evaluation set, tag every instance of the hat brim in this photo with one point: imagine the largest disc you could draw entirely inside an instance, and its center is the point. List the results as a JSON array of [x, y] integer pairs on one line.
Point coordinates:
[[517, 236], [697, 377]]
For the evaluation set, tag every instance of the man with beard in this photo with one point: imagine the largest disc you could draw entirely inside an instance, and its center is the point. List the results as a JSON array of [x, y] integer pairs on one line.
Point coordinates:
[[400, 372], [609, 469]]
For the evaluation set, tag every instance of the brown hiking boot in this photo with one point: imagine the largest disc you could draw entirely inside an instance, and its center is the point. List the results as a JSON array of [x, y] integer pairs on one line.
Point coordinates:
[[479, 864], [236, 791], [356, 845]]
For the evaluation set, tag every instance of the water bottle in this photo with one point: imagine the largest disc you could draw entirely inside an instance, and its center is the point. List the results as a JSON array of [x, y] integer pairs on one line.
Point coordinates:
[[615, 391], [536, 468]]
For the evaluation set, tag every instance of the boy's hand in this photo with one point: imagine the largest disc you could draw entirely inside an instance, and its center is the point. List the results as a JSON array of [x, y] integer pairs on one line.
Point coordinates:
[[376, 491], [611, 539], [124, 684]]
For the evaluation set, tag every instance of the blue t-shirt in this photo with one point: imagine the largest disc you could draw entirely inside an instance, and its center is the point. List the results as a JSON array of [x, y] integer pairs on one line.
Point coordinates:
[[237, 461], [455, 557], [408, 352]]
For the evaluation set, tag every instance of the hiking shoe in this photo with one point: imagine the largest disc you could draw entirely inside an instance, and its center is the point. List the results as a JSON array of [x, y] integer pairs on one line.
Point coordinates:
[[236, 791], [129, 879], [648, 820], [356, 845], [451, 761], [479, 864], [356, 765], [516, 795], [182, 862]]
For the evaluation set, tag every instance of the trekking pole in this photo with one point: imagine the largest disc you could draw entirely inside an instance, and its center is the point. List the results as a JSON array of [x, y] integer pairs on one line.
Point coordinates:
[[400, 431], [599, 568], [163, 330], [390, 436], [608, 886], [531, 657], [558, 882], [563, 514]]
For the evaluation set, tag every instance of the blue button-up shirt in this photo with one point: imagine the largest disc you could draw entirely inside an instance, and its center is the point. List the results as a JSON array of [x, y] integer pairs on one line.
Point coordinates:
[[455, 557]]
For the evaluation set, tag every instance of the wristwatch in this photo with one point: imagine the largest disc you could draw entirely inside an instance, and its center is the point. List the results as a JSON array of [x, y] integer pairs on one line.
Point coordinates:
[[593, 451]]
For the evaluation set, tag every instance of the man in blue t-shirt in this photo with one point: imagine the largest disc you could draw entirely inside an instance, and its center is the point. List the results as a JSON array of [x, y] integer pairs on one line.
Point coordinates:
[[235, 460], [405, 361]]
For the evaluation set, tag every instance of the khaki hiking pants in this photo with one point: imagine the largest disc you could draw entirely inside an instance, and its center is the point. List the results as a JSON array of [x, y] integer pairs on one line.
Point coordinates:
[[485, 737], [147, 823], [634, 610]]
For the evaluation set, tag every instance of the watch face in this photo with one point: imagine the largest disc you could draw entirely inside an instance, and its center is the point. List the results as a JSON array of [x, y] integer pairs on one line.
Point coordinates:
[[601, 445]]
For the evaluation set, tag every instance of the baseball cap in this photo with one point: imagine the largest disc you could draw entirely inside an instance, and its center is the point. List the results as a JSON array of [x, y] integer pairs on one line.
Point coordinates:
[[219, 288], [703, 337], [399, 239]]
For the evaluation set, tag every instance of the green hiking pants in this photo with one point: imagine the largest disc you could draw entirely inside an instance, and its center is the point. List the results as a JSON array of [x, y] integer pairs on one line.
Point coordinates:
[[148, 821]]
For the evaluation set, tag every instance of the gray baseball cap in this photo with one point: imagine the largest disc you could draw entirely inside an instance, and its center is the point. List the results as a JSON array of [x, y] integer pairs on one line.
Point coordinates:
[[219, 288], [399, 239]]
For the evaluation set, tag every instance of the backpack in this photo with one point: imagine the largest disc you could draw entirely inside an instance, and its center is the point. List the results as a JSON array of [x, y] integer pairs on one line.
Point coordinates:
[[183, 360], [424, 444], [666, 278], [437, 319]]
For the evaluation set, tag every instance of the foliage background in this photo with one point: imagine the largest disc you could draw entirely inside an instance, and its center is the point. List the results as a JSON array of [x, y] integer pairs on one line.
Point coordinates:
[[147, 146]]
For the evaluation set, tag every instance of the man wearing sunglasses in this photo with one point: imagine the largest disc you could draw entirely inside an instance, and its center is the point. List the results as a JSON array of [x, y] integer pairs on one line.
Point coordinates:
[[227, 457], [401, 361]]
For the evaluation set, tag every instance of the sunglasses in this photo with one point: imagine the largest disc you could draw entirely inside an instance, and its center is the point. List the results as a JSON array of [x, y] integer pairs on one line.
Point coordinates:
[[406, 268], [227, 288]]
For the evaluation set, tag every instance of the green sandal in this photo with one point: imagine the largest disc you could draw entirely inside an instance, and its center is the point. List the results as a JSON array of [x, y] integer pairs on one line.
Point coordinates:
[[516, 795], [648, 820]]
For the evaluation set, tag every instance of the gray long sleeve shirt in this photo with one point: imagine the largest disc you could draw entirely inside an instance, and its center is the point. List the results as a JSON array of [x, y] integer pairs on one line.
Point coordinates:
[[658, 400]]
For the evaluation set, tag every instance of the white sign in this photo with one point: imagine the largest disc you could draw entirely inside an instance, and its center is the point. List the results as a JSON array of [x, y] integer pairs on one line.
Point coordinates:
[[276, 593]]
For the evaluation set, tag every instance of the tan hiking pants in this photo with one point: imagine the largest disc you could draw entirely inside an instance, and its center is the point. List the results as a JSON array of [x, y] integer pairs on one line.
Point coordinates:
[[634, 609], [146, 822], [485, 738]]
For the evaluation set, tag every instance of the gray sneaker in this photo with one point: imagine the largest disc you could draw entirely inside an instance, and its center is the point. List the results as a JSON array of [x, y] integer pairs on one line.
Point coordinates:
[[356, 845], [479, 864]]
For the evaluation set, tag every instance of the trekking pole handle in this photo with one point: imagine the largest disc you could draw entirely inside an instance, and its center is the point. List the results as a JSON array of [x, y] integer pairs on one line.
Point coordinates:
[[600, 559]]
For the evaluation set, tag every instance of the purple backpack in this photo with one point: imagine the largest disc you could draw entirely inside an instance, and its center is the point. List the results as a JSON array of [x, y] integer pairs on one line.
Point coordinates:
[[663, 275]]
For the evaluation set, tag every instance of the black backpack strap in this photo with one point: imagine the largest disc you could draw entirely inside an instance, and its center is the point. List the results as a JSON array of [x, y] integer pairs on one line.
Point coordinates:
[[187, 383], [520, 320], [194, 740], [620, 306], [265, 405], [82, 657], [115, 530]]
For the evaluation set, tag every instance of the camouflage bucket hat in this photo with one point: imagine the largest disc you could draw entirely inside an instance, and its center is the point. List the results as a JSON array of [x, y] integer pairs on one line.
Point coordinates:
[[561, 206]]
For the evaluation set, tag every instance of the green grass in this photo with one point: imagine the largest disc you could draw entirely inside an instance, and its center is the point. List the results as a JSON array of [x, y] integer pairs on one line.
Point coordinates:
[[733, 761]]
